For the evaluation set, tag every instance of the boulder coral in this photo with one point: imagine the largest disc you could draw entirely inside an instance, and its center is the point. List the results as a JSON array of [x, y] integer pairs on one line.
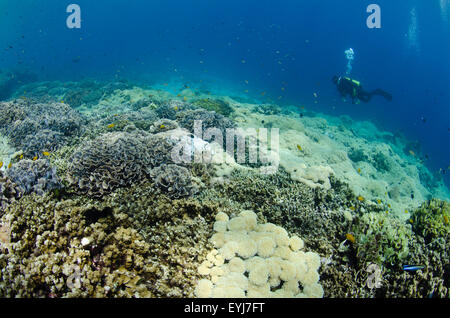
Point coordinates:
[[254, 259]]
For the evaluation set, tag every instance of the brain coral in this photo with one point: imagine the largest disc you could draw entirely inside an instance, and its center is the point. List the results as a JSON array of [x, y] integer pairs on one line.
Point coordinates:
[[110, 161], [257, 260]]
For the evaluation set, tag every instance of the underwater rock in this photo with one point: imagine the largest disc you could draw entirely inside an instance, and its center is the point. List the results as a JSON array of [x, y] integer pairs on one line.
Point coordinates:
[[175, 181], [34, 176]]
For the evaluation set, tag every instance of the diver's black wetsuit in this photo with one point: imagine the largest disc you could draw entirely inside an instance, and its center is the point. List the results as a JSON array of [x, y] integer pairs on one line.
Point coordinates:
[[353, 88]]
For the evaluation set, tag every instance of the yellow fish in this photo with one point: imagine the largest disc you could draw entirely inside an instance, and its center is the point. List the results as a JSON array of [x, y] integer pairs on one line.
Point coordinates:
[[20, 157], [412, 153], [406, 211], [389, 206], [35, 158], [162, 127], [350, 237], [46, 153], [62, 102], [185, 98], [411, 221], [379, 201], [176, 108], [360, 198], [299, 148], [10, 165], [178, 95], [445, 219], [111, 125], [359, 170], [1, 164], [352, 208]]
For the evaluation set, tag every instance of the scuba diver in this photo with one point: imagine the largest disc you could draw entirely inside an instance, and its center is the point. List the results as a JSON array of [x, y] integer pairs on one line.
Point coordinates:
[[347, 86]]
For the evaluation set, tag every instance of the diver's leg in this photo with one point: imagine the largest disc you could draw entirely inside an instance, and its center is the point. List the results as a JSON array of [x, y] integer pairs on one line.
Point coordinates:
[[364, 96]]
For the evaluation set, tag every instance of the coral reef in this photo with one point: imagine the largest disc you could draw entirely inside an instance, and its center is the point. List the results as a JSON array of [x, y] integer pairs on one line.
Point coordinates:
[[112, 160], [216, 105], [209, 120], [34, 176], [9, 192], [21, 119], [431, 221], [257, 260], [175, 181], [57, 249]]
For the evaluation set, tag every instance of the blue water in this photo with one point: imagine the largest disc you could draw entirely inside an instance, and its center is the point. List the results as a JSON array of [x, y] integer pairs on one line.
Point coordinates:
[[291, 44]]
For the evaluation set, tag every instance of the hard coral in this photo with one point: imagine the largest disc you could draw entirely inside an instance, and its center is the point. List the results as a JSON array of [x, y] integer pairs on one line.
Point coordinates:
[[110, 161], [34, 176], [21, 119], [175, 181]]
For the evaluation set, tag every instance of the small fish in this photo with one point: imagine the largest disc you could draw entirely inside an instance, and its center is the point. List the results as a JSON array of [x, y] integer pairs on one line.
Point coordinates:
[[243, 61], [315, 95], [389, 206], [1, 164], [10, 165], [411, 221], [35, 158], [412, 268], [445, 218], [46, 153], [379, 201], [412, 153], [246, 82], [111, 125], [406, 211], [352, 208], [359, 170], [360, 198], [162, 127], [185, 98], [175, 108], [62, 102], [20, 157], [350, 237], [299, 148]]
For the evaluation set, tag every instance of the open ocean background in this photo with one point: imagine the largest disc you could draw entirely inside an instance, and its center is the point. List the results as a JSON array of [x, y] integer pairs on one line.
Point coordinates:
[[218, 45]]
